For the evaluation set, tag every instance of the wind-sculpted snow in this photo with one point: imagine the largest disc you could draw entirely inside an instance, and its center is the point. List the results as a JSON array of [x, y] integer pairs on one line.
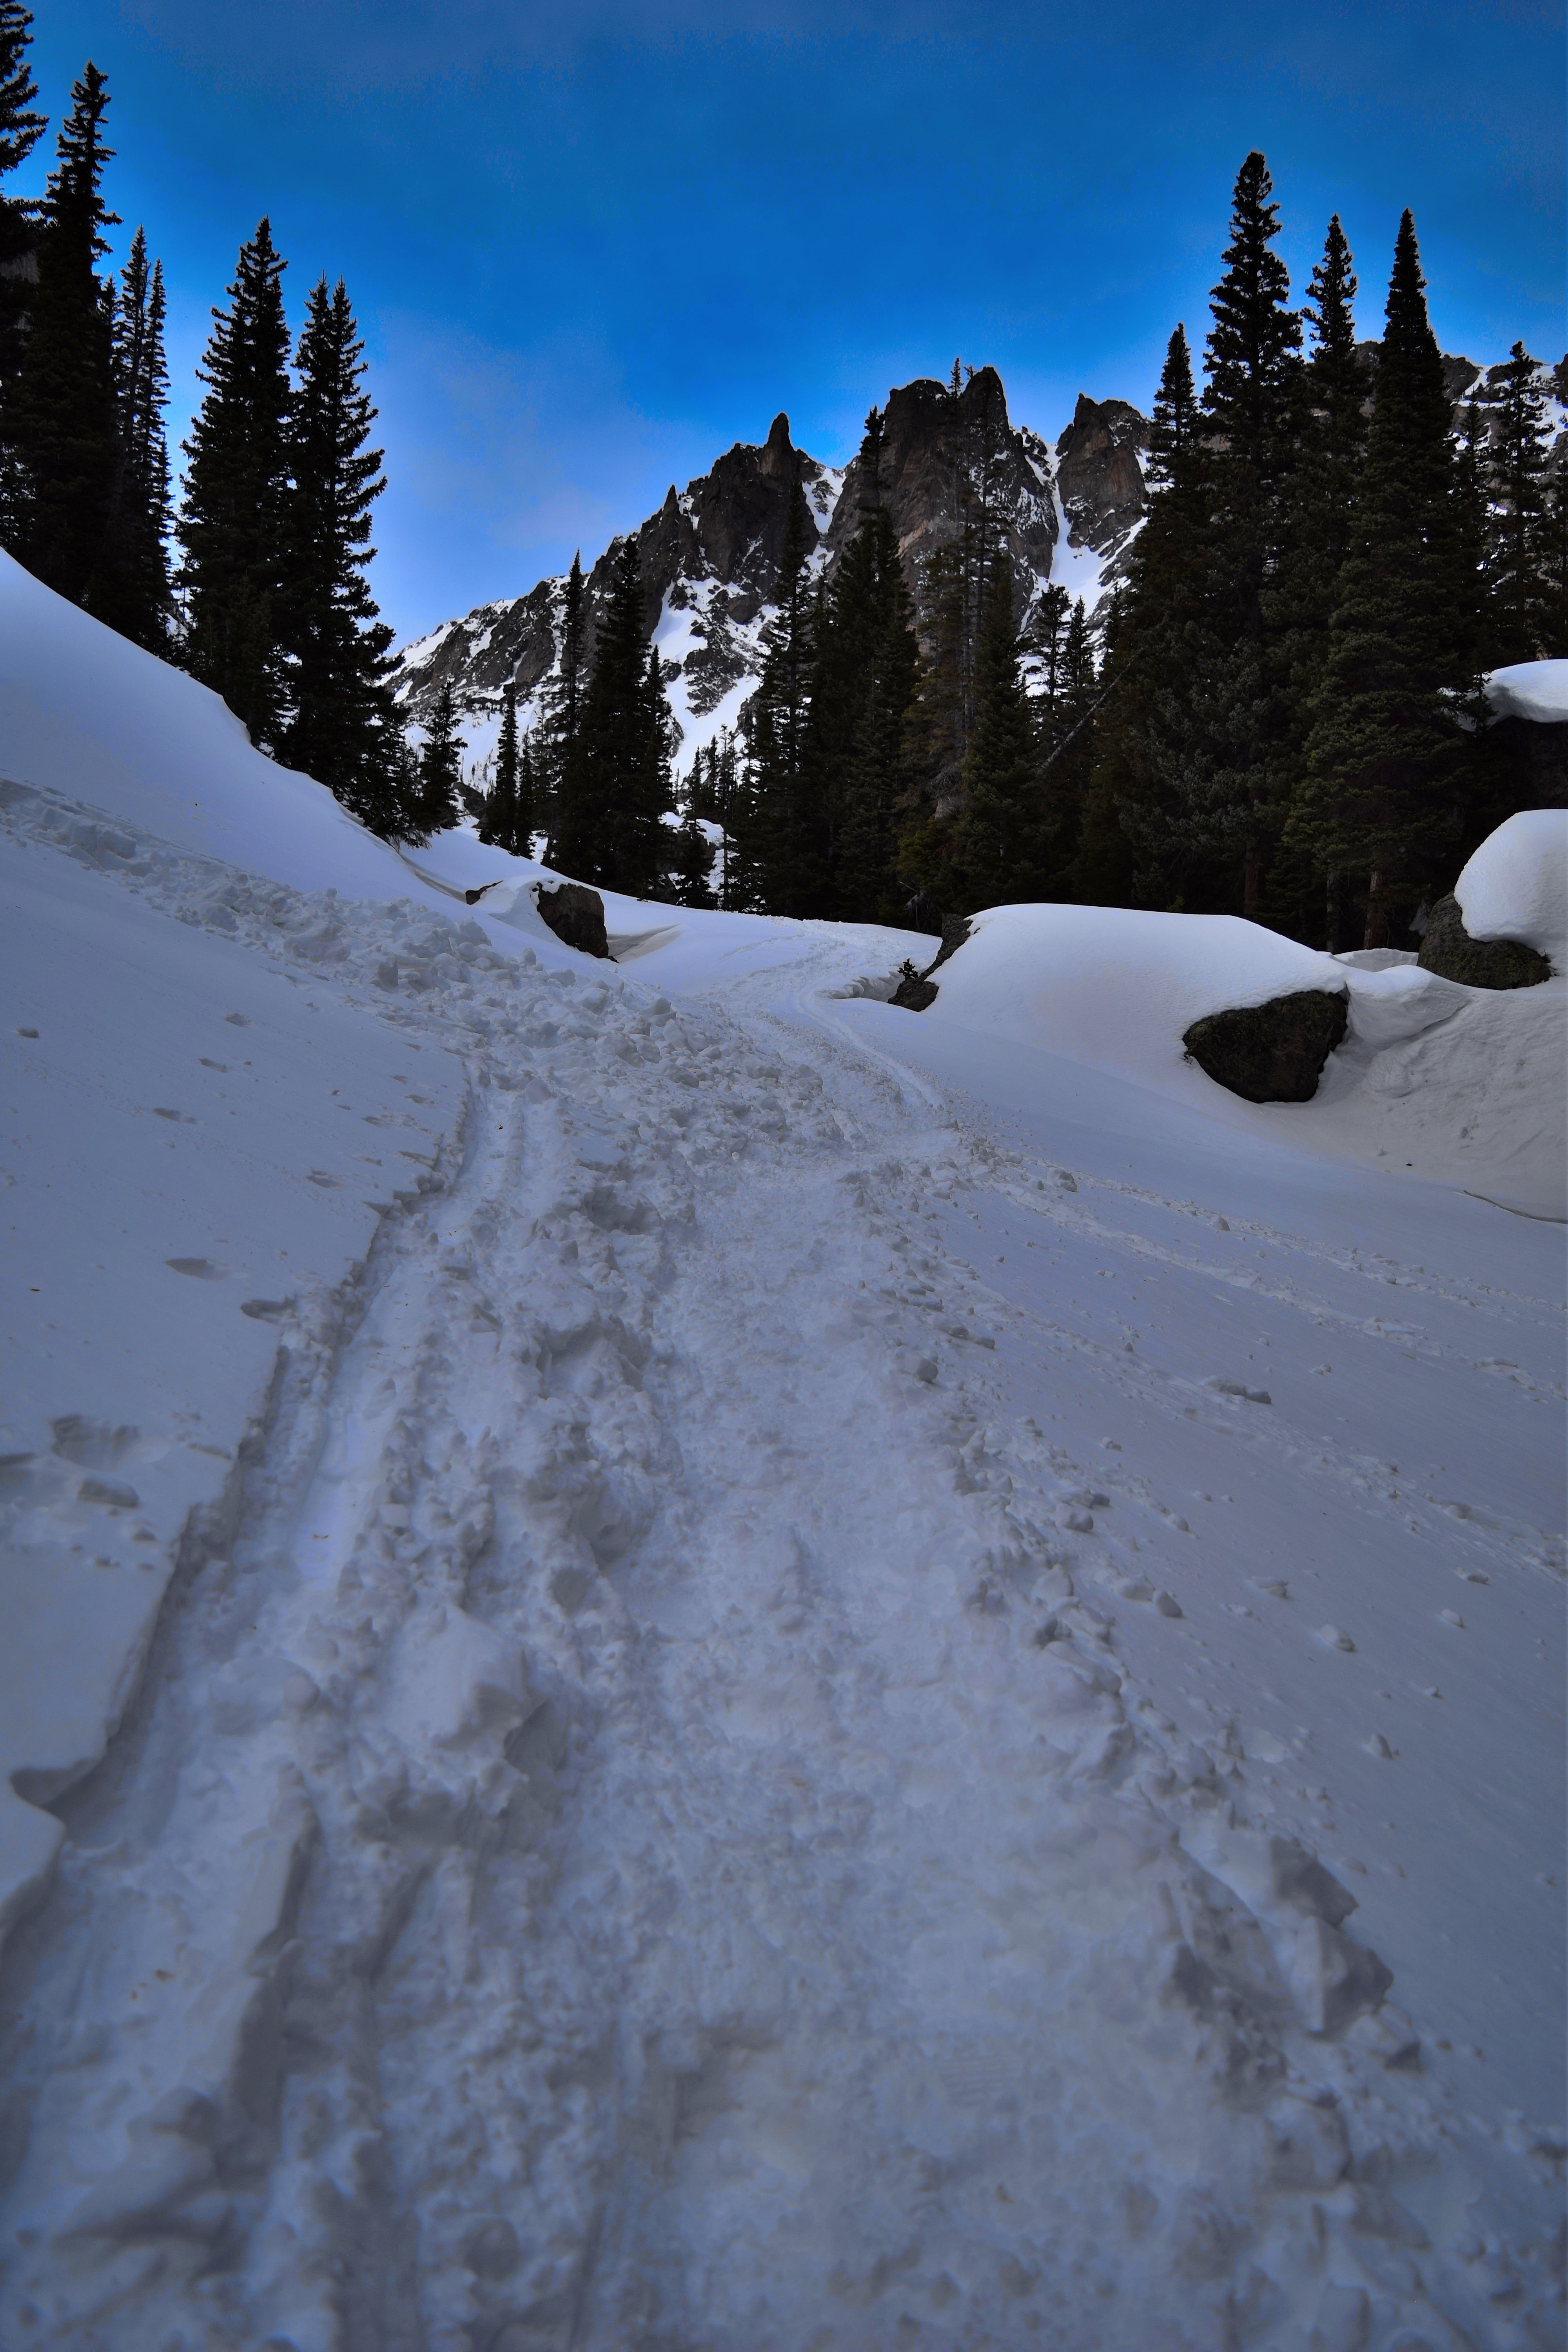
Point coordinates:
[[830, 1665]]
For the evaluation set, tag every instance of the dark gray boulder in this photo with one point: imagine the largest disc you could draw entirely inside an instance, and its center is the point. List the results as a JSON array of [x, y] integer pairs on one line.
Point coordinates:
[[576, 914], [917, 990], [1447, 948], [1273, 1052]]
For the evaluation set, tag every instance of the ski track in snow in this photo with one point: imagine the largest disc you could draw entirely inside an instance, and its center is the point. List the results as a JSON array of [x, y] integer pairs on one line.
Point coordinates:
[[659, 1818]]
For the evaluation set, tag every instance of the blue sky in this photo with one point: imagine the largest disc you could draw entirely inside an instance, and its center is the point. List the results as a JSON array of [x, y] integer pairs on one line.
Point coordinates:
[[591, 245]]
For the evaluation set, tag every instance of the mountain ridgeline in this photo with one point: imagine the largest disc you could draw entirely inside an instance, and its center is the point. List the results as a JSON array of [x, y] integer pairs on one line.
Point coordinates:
[[715, 551], [1229, 657]]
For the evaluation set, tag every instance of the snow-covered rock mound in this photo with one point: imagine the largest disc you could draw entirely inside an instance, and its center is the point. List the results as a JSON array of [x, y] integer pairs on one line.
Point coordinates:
[[1534, 690], [1516, 884], [1461, 1085], [1118, 986]]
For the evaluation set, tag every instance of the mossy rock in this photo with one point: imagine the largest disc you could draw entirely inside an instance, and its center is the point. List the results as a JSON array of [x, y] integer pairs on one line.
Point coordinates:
[[576, 914], [1447, 948], [1273, 1052]]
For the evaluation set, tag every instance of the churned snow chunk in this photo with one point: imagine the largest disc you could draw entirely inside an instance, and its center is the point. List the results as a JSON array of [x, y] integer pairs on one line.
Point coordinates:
[[1516, 884]]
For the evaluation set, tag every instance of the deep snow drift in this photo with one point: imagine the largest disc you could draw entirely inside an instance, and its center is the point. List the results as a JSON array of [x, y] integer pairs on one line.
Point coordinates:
[[813, 1663]]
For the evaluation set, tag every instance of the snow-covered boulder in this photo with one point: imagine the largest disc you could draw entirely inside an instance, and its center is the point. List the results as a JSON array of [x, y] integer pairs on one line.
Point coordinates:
[[1120, 987], [1516, 884], [1534, 690]]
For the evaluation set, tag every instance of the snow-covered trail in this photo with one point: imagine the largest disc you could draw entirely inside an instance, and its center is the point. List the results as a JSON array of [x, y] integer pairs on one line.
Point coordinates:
[[717, 1795]]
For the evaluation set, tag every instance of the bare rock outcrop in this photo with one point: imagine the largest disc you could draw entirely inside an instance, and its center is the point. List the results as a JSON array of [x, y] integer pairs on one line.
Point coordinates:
[[1273, 1052], [576, 914]]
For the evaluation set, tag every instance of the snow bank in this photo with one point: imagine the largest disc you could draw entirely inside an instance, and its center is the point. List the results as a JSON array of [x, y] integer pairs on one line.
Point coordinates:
[[1535, 691], [1516, 884], [86, 713]]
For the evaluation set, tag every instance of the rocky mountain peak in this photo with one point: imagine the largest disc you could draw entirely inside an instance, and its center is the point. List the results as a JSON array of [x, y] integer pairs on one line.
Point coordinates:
[[1100, 473], [710, 556], [945, 460]]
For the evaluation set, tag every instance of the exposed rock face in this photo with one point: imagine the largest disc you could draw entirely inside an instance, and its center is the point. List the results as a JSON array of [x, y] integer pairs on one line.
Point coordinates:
[[727, 528], [940, 456], [1447, 948], [576, 914], [1273, 1052], [1101, 475], [916, 991]]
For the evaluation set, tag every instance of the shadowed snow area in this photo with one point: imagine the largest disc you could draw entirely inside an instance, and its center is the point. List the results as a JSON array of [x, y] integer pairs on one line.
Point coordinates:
[[694, 1663]]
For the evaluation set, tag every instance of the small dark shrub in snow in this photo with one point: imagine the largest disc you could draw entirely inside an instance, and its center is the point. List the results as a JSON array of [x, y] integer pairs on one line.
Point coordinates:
[[1273, 1052], [1447, 948]]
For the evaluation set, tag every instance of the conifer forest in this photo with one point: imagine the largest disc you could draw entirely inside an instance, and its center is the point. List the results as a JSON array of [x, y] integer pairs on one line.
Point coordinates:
[[1276, 712]]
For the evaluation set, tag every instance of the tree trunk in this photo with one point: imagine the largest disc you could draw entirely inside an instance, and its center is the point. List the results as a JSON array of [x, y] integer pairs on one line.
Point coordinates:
[[1252, 878], [1334, 909], [1377, 909]]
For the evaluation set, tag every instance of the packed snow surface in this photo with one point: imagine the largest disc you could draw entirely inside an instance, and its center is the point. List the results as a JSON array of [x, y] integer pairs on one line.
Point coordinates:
[[1516, 884], [694, 1661]]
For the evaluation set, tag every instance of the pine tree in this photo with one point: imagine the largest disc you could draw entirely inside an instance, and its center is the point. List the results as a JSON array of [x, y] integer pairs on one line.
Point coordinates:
[[1515, 483], [437, 803], [134, 595], [691, 864], [617, 786], [786, 846], [1334, 390], [996, 844], [1385, 760], [62, 416], [1251, 357], [1066, 741], [1554, 566], [498, 824], [231, 528], [563, 711], [1158, 629], [327, 624], [1174, 423], [20, 130]]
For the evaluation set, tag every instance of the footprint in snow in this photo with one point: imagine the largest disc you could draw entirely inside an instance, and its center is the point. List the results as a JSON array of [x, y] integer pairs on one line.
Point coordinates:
[[1276, 1587], [1333, 1637], [200, 1269], [1239, 1389]]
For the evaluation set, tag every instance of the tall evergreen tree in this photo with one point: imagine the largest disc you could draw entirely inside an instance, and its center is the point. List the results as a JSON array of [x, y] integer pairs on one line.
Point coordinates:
[[1251, 357], [1065, 710], [1157, 631], [1554, 566], [231, 528], [785, 843], [1334, 390], [1515, 483], [616, 788], [21, 127], [996, 848], [563, 710], [1385, 760], [436, 803], [62, 415], [507, 811], [340, 722], [134, 593]]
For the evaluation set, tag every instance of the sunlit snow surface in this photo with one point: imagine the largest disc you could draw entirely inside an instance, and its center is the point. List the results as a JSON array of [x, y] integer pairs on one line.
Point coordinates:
[[786, 1628]]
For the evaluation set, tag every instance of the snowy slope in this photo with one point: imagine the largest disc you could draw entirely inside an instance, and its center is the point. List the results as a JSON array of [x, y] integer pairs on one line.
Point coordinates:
[[811, 1689]]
